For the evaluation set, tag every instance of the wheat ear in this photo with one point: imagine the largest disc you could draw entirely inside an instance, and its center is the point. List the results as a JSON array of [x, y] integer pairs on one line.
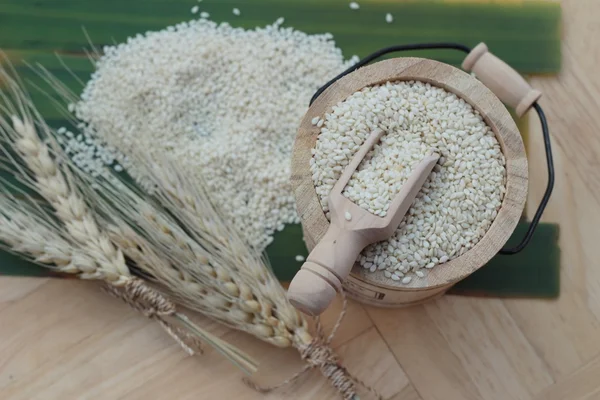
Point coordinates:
[[109, 260], [55, 183], [257, 290], [233, 283], [237, 290], [141, 252], [24, 231], [35, 164], [215, 273]]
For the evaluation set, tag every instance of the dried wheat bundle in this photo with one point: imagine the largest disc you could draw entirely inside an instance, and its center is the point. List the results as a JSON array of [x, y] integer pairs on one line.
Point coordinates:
[[179, 240], [65, 234], [183, 243]]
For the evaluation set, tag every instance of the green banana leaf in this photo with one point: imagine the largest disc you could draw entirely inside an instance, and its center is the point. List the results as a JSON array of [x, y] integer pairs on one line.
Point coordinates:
[[525, 34], [534, 272], [530, 273]]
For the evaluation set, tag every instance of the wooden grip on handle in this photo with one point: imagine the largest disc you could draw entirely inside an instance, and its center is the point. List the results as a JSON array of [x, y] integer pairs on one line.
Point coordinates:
[[314, 287], [506, 83]]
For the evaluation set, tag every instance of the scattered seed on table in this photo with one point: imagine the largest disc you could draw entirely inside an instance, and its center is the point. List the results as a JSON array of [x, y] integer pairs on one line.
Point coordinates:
[[389, 18], [200, 101], [354, 5], [299, 258]]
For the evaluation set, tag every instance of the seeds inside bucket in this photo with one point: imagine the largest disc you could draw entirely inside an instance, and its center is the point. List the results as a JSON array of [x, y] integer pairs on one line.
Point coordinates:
[[461, 198]]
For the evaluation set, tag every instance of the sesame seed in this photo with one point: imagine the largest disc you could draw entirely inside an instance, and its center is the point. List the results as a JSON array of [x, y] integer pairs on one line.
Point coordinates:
[[221, 120], [236, 11], [195, 9], [354, 5], [299, 258], [389, 18], [450, 215]]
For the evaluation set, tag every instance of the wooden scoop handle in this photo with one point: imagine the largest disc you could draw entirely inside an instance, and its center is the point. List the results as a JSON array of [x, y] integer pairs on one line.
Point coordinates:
[[503, 80], [314, 287], [330, 262]]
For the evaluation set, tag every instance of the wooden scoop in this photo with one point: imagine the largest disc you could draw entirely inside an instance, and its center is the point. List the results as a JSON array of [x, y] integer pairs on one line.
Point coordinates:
[[352, 229]]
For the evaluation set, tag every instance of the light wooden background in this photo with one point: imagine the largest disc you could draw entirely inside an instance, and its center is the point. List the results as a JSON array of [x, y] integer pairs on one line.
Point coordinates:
[[67, 340]]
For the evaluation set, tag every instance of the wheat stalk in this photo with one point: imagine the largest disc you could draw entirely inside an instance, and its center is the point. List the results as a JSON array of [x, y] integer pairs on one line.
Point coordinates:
[[185, 245], [55, 185], [216, 273], [25, 232], [54, 182], [235, 264], [80, 234], [206, 264]]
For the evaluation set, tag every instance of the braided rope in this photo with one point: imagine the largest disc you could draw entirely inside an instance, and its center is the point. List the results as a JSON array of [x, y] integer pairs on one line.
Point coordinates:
[[152, 304], [319, 354]]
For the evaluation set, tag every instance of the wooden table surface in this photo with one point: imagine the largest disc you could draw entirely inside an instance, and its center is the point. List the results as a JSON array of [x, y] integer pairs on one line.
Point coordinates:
[[67, 340]]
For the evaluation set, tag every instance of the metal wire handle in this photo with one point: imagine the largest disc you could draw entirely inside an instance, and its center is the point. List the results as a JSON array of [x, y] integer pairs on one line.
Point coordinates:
[[545, 131]]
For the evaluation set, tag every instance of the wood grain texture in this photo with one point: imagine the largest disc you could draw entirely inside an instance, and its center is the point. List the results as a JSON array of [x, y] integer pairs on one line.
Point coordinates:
[[425, 354], [583, 384], [408, 393], [66, 340], [464, 86], [99, 349]]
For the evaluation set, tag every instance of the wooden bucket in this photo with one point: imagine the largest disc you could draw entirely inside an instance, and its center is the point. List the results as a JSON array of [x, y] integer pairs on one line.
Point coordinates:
[[373, 287]]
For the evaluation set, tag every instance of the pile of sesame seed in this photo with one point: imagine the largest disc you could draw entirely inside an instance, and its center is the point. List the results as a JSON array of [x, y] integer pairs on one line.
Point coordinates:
[[220, 101], [461, 197]]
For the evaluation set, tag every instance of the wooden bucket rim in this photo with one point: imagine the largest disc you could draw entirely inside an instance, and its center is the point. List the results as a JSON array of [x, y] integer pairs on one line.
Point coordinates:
[[468, 88]]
